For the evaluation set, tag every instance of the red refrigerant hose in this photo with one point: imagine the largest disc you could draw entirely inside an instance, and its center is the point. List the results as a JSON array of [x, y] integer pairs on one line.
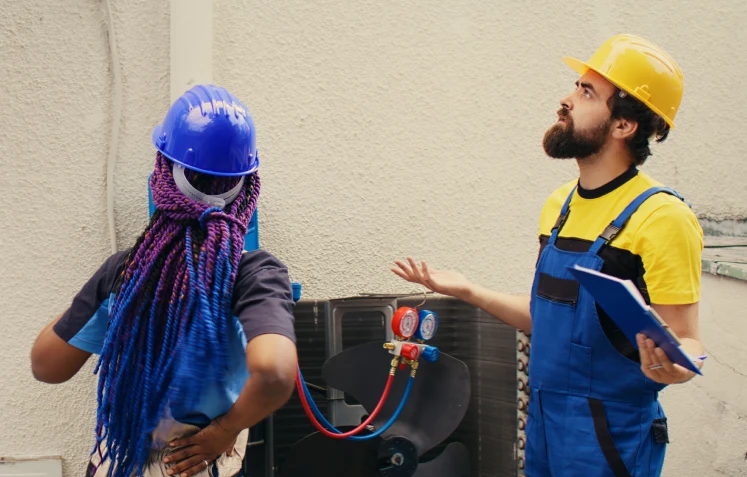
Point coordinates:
[[320, 428]]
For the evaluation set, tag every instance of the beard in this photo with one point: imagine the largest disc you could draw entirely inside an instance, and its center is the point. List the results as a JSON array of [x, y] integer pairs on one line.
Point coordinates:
[[563, 141]]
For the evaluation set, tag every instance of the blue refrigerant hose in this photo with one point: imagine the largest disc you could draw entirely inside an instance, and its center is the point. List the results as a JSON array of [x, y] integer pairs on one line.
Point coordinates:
[[373, 435]]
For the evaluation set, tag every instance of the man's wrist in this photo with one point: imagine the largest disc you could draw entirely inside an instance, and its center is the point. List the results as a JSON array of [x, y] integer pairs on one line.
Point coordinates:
[[467, 293]]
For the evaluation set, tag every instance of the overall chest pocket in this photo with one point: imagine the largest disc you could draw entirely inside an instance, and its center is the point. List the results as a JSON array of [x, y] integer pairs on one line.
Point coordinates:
[[558, 290]]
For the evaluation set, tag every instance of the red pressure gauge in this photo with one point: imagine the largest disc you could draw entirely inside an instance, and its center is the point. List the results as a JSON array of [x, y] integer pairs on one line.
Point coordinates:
[[405, 322]]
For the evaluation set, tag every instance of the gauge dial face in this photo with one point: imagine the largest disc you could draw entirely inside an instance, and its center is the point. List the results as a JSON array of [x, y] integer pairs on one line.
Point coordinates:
[[408, 324], [428, 326], [405, 322]]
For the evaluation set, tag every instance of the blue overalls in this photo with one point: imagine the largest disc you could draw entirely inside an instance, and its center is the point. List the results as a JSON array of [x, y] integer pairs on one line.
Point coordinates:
[[592, 412]]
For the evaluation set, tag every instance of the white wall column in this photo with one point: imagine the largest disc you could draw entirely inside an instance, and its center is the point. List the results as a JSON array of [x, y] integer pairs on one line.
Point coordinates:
[[191, 40]]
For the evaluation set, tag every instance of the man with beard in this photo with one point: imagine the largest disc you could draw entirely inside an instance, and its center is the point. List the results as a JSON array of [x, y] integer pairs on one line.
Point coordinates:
[[593, 407]]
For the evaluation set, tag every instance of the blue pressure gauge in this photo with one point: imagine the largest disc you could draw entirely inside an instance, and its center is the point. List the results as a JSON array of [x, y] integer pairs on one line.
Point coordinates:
[[428, 325]]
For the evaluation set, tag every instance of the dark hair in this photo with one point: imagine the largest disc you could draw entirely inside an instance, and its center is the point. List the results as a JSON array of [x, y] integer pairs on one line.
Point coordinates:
[[650, 124]]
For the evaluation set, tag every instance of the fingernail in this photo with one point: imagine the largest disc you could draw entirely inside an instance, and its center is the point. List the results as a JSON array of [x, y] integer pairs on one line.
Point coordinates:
[[172, 444], [170, 471], [166, 461]]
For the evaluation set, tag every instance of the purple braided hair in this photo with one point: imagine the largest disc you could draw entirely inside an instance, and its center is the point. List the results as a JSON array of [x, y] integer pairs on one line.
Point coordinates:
[[170, 314]]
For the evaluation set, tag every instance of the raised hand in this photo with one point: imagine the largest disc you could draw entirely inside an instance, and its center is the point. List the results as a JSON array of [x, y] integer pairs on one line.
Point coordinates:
[[445, 282], [657, 366]]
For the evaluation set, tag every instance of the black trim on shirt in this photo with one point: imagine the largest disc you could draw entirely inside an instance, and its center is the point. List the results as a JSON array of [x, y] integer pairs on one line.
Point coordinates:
[[608, 187]]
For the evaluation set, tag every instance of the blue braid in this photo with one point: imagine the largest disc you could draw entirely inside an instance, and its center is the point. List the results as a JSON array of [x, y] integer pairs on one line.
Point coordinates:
[[174, 326], [200, 363], [192, 364], [226, 283], [175, 305], [182, 384], [112, 336], [121, 392], [117, 351], [169, 322], [144, 439], [223, 267]]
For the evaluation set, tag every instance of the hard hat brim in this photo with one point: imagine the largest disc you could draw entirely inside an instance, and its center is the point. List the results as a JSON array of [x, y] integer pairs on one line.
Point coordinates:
[[157, 133], [251, 170], [581, 68]]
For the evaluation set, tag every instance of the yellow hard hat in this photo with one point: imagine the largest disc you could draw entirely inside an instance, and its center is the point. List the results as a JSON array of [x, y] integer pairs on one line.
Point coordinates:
[[641, 69]]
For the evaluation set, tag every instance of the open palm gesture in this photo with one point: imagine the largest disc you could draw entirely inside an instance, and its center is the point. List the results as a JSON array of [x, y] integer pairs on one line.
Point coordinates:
[[445, 282]]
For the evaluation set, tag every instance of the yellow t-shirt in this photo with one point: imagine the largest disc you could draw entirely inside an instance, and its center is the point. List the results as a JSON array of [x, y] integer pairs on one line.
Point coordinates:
[[659, 248]]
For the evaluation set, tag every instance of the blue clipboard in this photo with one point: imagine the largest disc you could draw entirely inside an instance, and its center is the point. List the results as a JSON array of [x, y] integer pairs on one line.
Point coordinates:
[[622, 301]]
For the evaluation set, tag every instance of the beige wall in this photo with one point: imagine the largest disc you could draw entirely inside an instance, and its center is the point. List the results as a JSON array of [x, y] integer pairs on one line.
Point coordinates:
[[56, 91], [385, 128], [708, 416]]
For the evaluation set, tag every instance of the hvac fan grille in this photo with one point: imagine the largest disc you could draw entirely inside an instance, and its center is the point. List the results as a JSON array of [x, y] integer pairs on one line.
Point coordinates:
[[486, 345]]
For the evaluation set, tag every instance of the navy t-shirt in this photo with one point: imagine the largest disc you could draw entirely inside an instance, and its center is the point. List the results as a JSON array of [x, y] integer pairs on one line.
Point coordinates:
[[262, 303]]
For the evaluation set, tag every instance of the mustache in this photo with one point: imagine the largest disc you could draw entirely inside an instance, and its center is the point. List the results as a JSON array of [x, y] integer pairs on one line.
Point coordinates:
[[563, 113]]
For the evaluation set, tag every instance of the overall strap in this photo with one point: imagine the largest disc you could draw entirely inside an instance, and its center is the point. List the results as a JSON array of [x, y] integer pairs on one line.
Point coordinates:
[[561, 218], [617, 225], [604, 437]]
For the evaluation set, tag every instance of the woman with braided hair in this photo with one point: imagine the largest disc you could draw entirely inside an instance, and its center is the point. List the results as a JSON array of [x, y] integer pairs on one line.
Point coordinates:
[[194, 335]]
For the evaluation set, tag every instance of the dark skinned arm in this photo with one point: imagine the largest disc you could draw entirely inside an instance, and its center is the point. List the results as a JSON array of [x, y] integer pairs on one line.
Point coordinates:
[[53, 360], [272, 361]]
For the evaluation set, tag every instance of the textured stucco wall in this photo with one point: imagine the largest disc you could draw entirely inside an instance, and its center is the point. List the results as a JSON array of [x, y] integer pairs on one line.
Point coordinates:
[[708, 415], [385, 128], [54, 137]]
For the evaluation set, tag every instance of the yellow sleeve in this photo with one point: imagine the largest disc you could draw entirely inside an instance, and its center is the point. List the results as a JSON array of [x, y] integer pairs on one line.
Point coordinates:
[[545, 227], [670, 243]]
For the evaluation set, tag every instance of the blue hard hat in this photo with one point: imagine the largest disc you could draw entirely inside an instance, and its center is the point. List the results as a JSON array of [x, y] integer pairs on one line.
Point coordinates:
[[208, 130]]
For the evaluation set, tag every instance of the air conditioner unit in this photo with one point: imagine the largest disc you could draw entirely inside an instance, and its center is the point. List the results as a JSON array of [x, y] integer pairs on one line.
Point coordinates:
[[488, 347]]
